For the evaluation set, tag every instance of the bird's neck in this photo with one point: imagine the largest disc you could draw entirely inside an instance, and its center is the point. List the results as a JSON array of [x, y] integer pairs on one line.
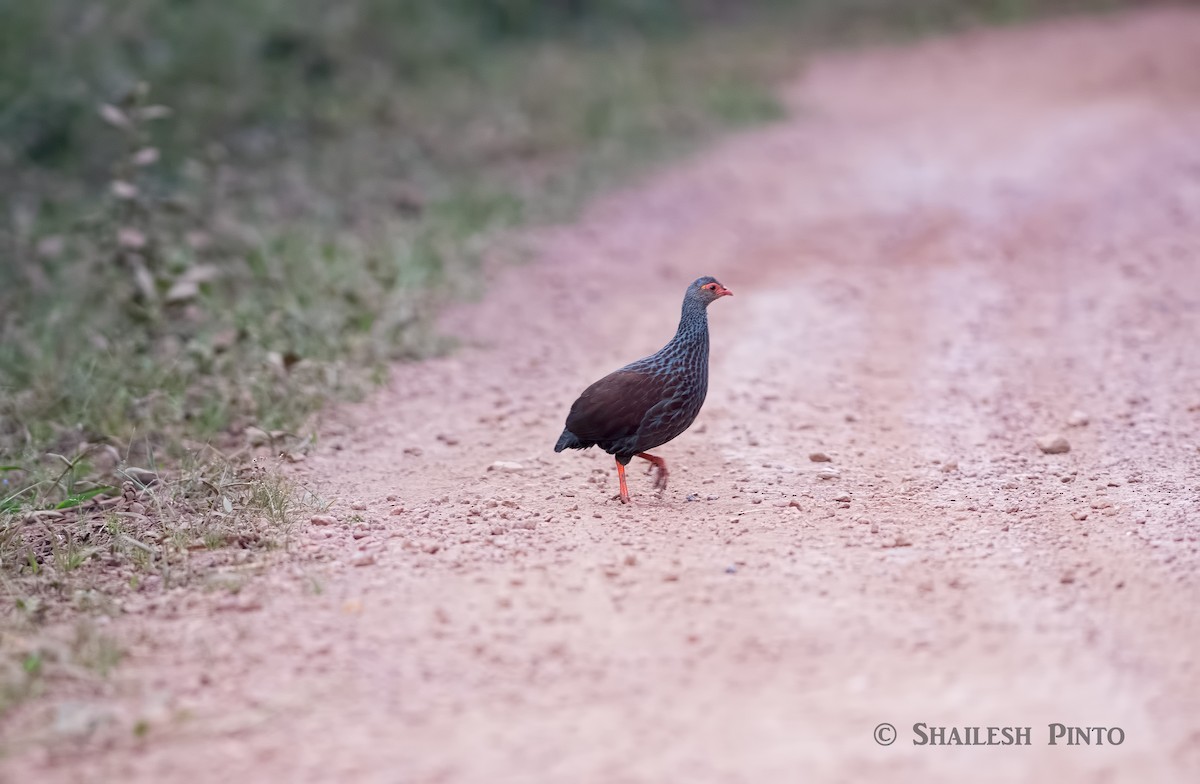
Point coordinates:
[[692, 334], [693, 322]]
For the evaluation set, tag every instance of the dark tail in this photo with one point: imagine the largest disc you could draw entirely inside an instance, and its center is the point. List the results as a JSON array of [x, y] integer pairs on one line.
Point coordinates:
[[569, 440]]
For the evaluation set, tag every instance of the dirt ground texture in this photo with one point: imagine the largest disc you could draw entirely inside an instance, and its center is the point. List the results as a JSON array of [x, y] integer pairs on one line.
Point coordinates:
[[950, 251]]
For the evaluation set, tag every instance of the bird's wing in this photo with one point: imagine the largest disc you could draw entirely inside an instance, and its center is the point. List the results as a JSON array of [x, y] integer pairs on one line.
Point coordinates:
[[615, 406]]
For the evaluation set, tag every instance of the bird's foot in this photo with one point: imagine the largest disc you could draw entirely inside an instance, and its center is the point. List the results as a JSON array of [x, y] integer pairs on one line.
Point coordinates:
[[658, 465], [622, 498], [624, 494]]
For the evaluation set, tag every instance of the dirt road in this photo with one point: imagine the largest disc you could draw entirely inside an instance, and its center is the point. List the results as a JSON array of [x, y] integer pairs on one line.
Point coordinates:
[[950, 251]]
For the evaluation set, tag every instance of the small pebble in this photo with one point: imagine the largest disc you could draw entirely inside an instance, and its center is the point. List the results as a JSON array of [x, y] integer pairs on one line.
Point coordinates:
[[323, 520], [819, 457], [141, 475], [828, 473], [506, 467], [1053, 444], [364, 558], [1077, 419]]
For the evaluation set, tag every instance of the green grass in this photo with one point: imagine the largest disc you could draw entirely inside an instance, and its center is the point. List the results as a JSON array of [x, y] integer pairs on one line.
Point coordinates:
[[326, 256]]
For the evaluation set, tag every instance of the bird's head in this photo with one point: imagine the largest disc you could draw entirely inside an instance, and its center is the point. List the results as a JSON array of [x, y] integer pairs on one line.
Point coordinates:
[[707, 290]]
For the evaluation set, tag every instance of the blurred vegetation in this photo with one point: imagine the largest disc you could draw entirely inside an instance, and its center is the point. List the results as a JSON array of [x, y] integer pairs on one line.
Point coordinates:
[[216, 215]]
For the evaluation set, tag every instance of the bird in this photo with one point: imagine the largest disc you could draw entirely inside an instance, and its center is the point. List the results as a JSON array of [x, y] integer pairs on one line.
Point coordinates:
[[651, 401]]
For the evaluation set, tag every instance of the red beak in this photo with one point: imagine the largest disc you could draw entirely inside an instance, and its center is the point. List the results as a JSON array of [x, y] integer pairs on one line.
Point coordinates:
[[724, 292]]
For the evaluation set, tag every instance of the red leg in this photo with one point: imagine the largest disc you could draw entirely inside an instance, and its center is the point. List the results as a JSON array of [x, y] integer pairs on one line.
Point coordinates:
[[624, 490], [660, 480]]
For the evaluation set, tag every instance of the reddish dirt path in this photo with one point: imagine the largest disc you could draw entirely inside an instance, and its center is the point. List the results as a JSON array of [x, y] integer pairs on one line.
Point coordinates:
[[949, 250]]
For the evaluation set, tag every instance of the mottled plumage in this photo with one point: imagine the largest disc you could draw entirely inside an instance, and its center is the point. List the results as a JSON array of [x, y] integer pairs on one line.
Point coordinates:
[[651, 401]]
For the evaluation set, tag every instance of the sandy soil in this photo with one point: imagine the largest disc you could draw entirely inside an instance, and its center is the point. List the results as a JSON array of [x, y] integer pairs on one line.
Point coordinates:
[[949, 252]]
